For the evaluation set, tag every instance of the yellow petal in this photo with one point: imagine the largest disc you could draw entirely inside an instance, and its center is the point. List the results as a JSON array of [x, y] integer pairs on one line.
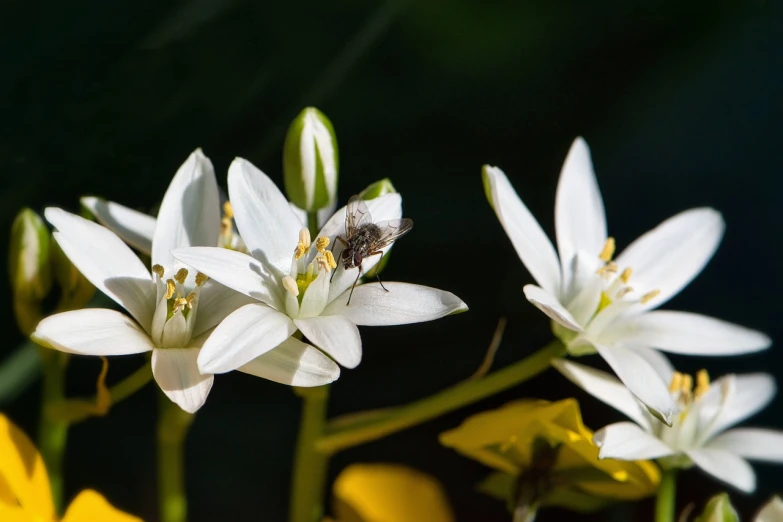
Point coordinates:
[[91, 506], [388, 493], [16, 514], [23, 470]]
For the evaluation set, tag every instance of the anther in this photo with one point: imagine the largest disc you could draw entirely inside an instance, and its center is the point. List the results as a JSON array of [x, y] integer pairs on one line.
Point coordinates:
[[626, 275], [686, 388], [608, 269], [228, 212], [171, 287], [623, 292], [191, 299], [676, 383], [702, 383], [180, 276], [321, 243], [157, 270], [201, 278], [649, 296], [608, 251], [180, 303], [289, 283], [330, 259], [304, 237]]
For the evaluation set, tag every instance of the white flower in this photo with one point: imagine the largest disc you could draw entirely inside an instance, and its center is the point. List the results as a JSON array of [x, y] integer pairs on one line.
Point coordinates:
[[293, 282], [605, 306], [698, 433], [772, 511], [174, 308]]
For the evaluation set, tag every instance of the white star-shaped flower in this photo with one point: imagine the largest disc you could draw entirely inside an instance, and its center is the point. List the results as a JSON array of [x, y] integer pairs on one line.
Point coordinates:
[[293, 280], [698, 434], [173, 308], [604, 305]]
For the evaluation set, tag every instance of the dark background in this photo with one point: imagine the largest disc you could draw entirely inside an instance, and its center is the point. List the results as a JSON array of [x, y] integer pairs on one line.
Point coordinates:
[[681, 103]]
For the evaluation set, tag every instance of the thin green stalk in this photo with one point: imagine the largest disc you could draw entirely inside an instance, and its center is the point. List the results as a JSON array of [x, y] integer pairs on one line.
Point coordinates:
[[344, 433], [173, 424], [664, 501], [53, 433], [310, 464], [312, 223], [131, 384]]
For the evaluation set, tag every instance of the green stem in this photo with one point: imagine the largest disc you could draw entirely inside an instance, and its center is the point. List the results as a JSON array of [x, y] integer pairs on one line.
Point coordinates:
[[310, 464], [342, 434], [53, 433], [312, 223], [173, 425], [664, 501], [131, 384]]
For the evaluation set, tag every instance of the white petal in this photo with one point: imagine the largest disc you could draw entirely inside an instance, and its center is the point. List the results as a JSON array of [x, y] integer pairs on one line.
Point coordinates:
[[265, 221], [175, 332], [751, 443], [134, 227], [294, 363], [772, 511], [106, 262], [176, 372], [336, 335], [402, 304], [580, 220], [604, 387], [640, 378], [235, 270], [657, 360], [627, 441], [315, 297], [669, 256], [247, 333], [548, 303], [533, 247], [189, 214], [687, 333], [725, 466], [93, 331], [386, 207], [751, 393], [215, 303]]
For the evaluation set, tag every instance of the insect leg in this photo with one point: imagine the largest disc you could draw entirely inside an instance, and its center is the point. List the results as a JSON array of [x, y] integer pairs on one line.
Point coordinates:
[[354, 284], [379, 252], [341, 240]]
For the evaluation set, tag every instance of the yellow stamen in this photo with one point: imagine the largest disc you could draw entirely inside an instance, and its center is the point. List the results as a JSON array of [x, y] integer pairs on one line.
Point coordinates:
[[608, 251], [623, 292], [180, 276], [649, 296], [299, 251], [289, 283], [676, 383], [228, 212], [304, 237], [171, 287], [180, 303], [201, 278], [321, 243], [157, 270], [702, 383], [686, 388], [330, 259], [225, 226], [191, 299], [626, 275], [607, 270]]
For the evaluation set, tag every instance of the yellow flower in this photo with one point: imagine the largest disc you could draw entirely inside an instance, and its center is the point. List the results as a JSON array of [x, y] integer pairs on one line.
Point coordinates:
[[545, 455], [388, 493], [25, 495]]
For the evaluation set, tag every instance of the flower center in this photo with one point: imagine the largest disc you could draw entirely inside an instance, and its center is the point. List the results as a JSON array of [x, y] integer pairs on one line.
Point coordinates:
[[617, 282], [175, 314], [229, 237], [683, 392], [303, 273], [687, 424]]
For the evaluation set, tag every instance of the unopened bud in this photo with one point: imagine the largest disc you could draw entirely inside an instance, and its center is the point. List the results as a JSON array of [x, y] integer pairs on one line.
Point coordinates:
[[75, 290], [310, 161], [377, 189], [718, 509], [29, 270]]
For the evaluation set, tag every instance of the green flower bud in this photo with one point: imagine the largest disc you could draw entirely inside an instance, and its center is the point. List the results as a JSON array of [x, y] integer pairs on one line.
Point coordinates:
[[377, 189], [718, 509], [29, 270], [310, 161], [75, 290]]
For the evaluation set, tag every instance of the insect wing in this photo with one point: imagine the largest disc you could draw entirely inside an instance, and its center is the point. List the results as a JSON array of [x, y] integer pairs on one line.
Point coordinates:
[[356, 215], [391, 231]]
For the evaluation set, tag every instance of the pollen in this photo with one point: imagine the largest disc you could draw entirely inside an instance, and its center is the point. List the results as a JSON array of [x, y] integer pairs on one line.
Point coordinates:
[[180, 276], [626, 275], [304, 243], [201, 278], [289, 283], [608, 270], [180, 303], [330, 259], [321, 243], [191, 299], [228, 212], [676, 383], [649, 296], [157, 270], [608, 251], [171, 287], [702, 383], [686, 388]]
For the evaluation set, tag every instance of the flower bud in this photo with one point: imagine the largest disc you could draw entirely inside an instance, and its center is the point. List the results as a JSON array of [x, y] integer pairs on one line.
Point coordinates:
[[310, 161], [718, 509], [29, 269], [75, 290], [377, 189]]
